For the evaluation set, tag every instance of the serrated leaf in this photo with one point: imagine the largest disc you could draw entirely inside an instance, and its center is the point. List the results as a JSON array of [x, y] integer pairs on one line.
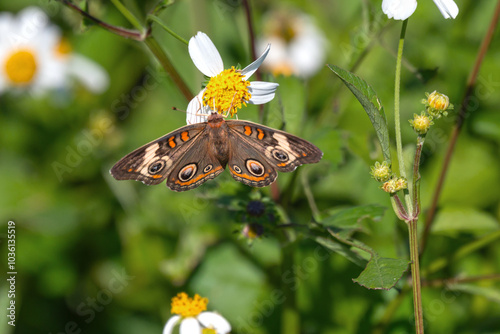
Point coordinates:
[[351, 217], [370, 102], [382, 273]]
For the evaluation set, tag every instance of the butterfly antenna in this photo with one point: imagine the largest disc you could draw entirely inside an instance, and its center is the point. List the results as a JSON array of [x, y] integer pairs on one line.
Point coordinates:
[[177, 109]]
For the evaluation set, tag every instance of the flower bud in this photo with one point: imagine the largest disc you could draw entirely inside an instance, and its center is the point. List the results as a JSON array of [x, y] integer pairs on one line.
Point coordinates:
[[381, 171], [394, 185], [421, 123], [437, 104]]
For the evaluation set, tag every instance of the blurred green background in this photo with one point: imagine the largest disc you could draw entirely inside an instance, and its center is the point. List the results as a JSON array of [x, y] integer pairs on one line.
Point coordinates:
[[78, 235]]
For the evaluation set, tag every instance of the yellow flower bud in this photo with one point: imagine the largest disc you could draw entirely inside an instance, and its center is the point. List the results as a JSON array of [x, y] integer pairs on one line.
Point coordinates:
[[381, 171], [437, 104], [421, 123], [394, 185]]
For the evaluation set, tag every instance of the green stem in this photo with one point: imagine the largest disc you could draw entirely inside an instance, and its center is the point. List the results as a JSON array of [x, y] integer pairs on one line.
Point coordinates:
[[167, 29], [415, 275], [397, 121], [128, 15], [162, 57]]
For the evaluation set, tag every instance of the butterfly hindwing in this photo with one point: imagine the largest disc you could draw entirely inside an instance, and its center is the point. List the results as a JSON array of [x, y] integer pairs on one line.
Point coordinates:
[[196, 166], [282, 150], [248, 165], [152, 162]]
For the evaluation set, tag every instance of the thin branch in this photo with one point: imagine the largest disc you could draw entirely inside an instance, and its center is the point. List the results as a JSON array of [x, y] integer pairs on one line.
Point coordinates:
[[127, 33], [462, 115]]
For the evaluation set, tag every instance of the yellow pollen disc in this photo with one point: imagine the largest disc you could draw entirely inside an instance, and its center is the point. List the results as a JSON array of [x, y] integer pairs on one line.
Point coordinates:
[[227, 92], [188, 307], [208, 331], [20, 67], [63, 48]]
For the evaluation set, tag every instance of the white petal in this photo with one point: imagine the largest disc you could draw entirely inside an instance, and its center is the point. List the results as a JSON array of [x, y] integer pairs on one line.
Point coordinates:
[[448, 8], [215, 321], [399, 9], [250, 69], [190, 326], [91, 75], [169, 326], [195, 108], [205, 55], [262, 92]]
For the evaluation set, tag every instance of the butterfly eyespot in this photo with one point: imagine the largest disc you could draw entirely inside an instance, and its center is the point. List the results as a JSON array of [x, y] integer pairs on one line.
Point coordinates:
[[208, 168], [255, 167], [280, 155], [237, 169], [187, 172], [156, 167]]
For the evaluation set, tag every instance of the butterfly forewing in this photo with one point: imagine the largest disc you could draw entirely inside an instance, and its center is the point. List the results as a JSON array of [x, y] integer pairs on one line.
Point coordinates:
[[152, 162]]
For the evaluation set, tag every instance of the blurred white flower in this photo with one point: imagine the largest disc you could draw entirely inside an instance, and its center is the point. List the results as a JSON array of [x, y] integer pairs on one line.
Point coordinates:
[[189, 313], [399, 9], [403, 9], [35, 57], [299, 46], [228, 89]]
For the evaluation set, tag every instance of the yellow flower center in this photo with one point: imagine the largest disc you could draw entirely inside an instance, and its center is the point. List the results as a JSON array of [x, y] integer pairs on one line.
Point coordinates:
[[188, 307], [227, 91], [63, 48], [208, 331], [21, 67]]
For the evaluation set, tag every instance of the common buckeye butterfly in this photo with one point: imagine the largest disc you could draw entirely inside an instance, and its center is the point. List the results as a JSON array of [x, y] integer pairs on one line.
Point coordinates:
[[193, 154]]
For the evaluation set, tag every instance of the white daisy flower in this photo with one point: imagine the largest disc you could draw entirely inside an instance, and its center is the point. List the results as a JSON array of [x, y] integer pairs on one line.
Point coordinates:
[[299, 46], [228, 90], [33, 56], [189, 314], [403, 9]]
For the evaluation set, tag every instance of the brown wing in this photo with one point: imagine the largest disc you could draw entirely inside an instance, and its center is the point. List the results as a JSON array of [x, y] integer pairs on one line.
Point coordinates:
[[248, 163], [152, 162], [281, 149]]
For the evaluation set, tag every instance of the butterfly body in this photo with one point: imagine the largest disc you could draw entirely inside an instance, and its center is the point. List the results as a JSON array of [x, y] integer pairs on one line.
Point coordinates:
[[193, 154]]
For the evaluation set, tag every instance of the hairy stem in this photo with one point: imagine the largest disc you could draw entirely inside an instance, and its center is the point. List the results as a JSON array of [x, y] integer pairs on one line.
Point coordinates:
[[462, 115], [397, 121]]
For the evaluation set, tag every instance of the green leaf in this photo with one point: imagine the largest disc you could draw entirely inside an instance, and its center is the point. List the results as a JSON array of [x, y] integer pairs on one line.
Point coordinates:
[[452, 220], [370, 102], [351, 217], [382, 273], [342, 250]]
